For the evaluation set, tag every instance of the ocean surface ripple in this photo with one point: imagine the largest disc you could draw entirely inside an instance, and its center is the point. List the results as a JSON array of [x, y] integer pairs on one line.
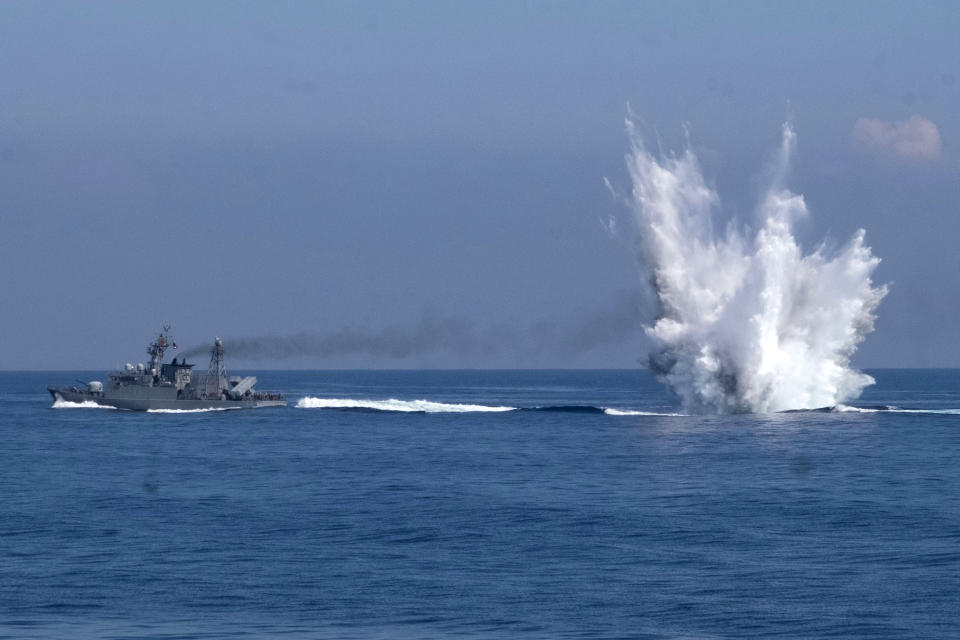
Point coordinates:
[[525, 521]]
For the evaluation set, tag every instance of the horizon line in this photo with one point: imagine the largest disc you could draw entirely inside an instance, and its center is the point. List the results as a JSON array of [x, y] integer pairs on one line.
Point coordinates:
[[918, 368]]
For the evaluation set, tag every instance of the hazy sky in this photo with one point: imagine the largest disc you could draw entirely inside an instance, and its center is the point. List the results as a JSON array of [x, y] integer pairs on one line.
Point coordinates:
[[348, 177]]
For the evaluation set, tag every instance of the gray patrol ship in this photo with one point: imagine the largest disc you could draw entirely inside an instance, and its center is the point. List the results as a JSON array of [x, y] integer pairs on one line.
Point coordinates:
[[172, 386]]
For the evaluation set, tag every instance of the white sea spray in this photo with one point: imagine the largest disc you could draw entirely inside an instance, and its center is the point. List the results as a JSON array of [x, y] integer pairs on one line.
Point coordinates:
[[60, 403], [746, 321], [393, 404]]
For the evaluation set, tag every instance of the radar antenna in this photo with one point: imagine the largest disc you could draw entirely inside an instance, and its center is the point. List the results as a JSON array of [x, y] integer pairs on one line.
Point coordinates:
[[158, 347]]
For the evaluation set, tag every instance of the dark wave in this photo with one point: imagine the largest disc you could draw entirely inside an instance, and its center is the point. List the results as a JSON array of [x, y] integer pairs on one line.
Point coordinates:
[[573, 408]]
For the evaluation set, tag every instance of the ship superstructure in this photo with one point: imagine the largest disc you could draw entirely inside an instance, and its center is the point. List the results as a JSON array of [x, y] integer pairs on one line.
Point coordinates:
[[175, 385]]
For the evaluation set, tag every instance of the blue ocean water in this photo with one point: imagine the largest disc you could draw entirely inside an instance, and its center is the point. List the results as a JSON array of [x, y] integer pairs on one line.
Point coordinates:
[[562, 522]]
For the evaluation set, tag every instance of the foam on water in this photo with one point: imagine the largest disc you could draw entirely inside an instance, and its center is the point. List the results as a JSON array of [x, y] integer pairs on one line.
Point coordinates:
[[406, 406], [205, 410], [842, 408], [60, 403], [429, 406], [631, 412], [942, 412], [747, 321]]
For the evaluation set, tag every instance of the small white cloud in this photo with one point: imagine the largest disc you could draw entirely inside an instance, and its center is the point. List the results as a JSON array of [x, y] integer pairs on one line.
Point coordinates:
[[915, 138]]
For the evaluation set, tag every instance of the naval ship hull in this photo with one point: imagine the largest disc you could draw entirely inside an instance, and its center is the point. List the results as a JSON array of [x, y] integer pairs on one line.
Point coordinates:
[[173, 386], [163, 404]]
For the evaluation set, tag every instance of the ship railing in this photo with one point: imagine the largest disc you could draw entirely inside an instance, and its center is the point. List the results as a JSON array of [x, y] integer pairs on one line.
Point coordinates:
[[268, 395]]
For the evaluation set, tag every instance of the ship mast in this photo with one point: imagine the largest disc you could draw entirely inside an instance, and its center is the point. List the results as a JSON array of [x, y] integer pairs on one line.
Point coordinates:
[[217, 367], [157, 347]]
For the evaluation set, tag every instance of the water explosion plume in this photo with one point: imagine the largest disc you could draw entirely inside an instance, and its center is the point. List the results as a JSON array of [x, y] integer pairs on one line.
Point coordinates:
[[746, 321]]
